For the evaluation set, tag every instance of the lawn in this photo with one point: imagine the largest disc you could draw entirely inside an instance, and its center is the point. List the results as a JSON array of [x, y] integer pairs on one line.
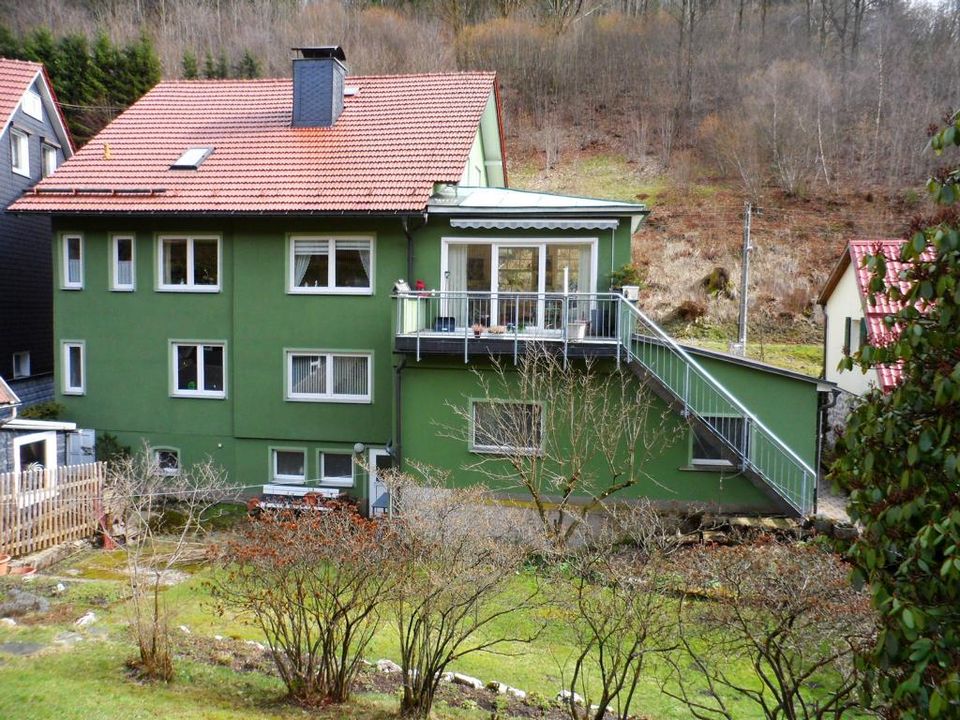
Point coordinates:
[[88, 679], [806, 359]]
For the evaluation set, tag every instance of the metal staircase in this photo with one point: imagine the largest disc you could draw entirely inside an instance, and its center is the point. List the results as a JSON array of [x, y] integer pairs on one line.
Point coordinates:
[[693, 392]]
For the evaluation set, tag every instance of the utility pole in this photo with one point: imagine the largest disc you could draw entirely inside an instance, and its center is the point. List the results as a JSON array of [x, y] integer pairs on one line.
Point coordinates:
[[740, 348]]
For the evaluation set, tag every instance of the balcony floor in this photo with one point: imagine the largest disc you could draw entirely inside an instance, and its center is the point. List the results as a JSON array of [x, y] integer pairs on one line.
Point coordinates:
[[445, 343]]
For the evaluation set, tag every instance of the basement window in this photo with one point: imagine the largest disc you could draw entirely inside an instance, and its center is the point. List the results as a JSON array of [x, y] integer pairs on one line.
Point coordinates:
[[192, 158], [706, 450]]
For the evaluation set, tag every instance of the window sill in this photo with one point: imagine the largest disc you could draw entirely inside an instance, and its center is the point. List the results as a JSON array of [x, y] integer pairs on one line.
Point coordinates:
[[74, 392], [288, 480], [505, 451], [334, 483], [188, 288], [71, 287], [333, 400], [199, 395], [126, 289], [708, 467], [22, 173], [329, 291]]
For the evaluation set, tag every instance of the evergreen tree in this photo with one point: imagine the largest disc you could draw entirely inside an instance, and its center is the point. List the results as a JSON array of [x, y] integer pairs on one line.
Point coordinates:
[[209, 69], [248, 67], [108, 61], [77, 81], [40, 46], [189, 66], [9, 44], [223, 66], [141, 68]]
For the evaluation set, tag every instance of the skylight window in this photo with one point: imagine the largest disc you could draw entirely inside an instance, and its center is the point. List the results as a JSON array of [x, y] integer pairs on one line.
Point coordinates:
[[191, 158]]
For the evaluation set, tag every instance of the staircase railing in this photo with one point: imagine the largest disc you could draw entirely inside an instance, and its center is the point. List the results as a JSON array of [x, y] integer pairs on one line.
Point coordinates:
[[700, 394]]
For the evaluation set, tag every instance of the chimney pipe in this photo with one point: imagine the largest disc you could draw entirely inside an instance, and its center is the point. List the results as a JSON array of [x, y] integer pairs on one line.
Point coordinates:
[[318, 79]]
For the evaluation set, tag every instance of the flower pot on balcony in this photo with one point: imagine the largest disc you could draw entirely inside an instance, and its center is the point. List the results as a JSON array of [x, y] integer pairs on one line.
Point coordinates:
[[25, 572], [576, 330]]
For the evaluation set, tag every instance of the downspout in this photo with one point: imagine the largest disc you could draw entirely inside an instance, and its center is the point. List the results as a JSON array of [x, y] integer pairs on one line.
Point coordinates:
[[824, 407], [398, 400], [408, 232]]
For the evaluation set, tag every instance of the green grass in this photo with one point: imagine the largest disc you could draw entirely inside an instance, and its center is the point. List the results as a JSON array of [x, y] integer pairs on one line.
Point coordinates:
[[89, 680], [805, 359], [603, 176]]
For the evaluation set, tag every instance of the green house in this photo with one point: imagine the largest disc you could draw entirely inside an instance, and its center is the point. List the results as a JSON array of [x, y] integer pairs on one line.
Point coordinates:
[[298, 279]]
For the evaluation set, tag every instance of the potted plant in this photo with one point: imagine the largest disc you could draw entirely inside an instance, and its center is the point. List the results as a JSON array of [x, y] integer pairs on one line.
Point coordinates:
[[627, 279], [478, 329], [576, 330]]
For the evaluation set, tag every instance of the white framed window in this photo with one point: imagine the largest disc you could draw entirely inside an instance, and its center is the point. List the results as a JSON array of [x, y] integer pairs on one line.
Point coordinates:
[[167, 460], [74, 367], [122, 268], [31, 453], [706, 449], [336, 469], [198, 369], [504, 427], [319, 376], [331, 265], [19, 152], [21, 364], [72, 246], [32, 104], [48, 158], [188, 263], [288, 465]]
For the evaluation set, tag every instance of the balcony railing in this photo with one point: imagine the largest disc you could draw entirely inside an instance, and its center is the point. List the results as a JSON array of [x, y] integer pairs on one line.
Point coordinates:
[[508, 317]]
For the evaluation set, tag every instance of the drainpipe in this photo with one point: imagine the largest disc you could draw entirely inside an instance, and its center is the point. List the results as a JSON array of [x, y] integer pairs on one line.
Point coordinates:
[[397, 400], [409, 231], [821, 422]]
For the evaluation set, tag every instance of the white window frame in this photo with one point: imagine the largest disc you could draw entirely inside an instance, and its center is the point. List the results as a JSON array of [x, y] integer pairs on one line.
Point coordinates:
[[21, 364], [167, 471], [712, 463], [66, 283], [32, 497], [46, 152], [190, 286], [330, 288], [199, 392], [66, 346], [32, 105], [328, 397], [276, 477], [336, 480], [22, 141], [115, 239], [503, 449]]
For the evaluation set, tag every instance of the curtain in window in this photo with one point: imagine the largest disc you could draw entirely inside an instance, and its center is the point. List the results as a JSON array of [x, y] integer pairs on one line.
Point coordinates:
[[353, 263], [457, 283], [350, 375], [308, 374], [303, 252]]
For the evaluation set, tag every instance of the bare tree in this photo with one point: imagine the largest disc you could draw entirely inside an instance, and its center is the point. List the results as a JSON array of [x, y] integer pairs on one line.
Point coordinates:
[[612, 589], [570, 435], [456, 562], [163, 510], [314, 584], [786, 610]]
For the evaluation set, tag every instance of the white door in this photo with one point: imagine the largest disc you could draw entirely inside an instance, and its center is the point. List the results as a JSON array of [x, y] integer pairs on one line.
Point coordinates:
[[379, 493]]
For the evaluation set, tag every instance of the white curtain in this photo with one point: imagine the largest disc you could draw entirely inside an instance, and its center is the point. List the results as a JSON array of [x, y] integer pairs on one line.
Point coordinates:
[[457, 282], [303, 252]]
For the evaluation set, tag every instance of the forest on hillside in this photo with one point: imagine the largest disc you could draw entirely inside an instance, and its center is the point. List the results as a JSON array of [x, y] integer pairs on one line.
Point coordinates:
[[799, 94]]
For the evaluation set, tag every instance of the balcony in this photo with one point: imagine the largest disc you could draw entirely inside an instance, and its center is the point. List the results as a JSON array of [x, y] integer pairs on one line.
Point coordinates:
[[503, 323]]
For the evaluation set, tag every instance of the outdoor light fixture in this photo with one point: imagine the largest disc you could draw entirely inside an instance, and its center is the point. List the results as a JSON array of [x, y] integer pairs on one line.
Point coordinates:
[[358, 448]]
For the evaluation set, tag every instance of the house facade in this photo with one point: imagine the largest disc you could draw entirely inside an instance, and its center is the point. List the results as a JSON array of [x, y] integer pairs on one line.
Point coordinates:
[[34, 142], [852, 319], [295, 279]]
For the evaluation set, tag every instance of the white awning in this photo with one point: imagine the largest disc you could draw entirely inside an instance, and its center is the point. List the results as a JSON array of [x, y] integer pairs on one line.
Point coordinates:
[[534, 223]]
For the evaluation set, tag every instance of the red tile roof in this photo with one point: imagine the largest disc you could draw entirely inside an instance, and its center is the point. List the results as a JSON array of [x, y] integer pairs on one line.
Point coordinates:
[[16, 76], [397, 136]]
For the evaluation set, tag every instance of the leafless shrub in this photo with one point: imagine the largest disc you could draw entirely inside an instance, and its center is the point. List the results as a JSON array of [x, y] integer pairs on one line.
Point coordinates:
[[612, 591], [163, 515], [456, 566], [787, 611], [570, 435], [314, 584]]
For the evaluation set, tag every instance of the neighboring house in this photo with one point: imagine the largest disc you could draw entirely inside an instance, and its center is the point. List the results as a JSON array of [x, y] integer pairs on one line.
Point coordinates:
[[27, 444], [851, 319], [34, 142], [237, 294]]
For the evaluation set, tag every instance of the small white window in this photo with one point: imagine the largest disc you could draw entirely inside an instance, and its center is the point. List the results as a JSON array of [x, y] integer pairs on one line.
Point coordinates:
[[336, 469], [48, 155], [315, 376], [289, 466], [331, 265], [122, 267], [19, 153], [74, 370], [32, 105], [73, 262], [168, 460], [198, 370], [710, 450], [37, 451], [191, 158], [190, 264], [506, 427], [21, 364]]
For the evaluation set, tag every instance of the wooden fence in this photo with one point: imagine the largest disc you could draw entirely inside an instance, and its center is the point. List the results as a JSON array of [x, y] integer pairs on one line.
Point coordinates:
[[43, 508]]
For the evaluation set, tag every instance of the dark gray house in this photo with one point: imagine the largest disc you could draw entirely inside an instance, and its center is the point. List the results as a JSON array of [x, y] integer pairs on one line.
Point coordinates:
[[34, 142]]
